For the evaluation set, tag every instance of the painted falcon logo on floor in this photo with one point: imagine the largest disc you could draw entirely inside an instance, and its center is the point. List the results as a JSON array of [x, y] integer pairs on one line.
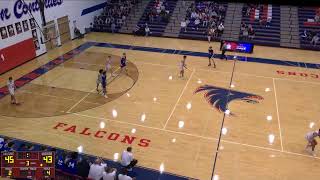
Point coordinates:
[[217, 96]]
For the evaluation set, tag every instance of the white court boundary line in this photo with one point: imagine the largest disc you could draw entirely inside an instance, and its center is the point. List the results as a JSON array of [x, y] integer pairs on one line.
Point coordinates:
[[174, 107], [76, 104], [277, 107], [245, 74], [197, 136], [69, 111], [56, 97]]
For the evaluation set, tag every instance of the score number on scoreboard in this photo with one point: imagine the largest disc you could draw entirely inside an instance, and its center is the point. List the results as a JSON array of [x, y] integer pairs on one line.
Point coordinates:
[[28, 165]]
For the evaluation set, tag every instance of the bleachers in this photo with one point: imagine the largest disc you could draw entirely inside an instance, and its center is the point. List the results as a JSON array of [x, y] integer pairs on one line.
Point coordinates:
[[200, 34], [115, 5], [257, 17], [269, 36], [156, 27], [306, 13]]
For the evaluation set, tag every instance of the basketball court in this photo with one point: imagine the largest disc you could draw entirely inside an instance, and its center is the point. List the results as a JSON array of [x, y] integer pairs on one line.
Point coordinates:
[[169, 121]]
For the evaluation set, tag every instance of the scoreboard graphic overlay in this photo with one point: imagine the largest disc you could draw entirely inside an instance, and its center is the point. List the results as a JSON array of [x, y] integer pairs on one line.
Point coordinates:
[[34, 165]]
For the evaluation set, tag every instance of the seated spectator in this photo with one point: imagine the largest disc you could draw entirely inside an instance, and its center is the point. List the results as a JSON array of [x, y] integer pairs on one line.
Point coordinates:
[[109, 174], [263, 22], [123, 175], [244, 11], [205, 20], [243, 26], [268, 24], [220, 29], [96, 170], [245, 34], [108, 20], [251, 32], [25, 147], [317, 18], [196, 24], [60, 159], [315, 39], [222, 10], [150, 17], [10, 146], [71, 163], [83, 167], [124, 19], [194, 15], [127, 159], [3, 142], [184, 25], [306, 35]]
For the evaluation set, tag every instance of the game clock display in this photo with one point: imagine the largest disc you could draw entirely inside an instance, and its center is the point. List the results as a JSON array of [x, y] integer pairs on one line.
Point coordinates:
[[31, 165]]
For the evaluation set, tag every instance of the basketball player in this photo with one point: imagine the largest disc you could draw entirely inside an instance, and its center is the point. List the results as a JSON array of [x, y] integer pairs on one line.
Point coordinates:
[[211, 54], [104, 83], [11, 89], [311, 140], [108, 66], [224, 49], [99, 79], [182, 66], [123, 63]]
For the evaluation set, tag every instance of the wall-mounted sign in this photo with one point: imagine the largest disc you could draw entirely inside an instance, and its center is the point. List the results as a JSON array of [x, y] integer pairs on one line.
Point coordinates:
[[21, 8]]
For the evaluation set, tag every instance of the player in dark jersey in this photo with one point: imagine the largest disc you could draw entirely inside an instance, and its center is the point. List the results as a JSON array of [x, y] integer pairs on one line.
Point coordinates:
[[123, 63], [210, 57], [104, 83]]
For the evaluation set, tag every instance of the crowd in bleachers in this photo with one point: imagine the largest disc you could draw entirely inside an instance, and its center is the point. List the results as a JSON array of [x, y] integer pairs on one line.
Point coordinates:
[[312, 36], [74, 165], [246, 31], [255, 12], [260, 24], [310, 26], [114, 15], [159, 12], [205, 16]]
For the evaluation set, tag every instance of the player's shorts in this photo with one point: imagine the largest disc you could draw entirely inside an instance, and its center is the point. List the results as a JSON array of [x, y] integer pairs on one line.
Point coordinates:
[[108, 67], [98, 81], [11, 91], [210, 56], [123, 65]]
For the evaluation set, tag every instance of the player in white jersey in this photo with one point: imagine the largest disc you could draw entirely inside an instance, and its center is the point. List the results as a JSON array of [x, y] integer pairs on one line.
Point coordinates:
[[11, 89], [311, 139], [108, 66], [182, 66]]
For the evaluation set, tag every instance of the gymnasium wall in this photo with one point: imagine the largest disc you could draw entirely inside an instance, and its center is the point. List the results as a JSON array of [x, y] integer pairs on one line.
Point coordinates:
[[24, 43]]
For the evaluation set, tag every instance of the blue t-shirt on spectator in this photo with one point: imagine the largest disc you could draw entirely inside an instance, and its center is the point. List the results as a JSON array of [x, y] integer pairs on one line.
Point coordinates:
[[71, 166], [2, 144], [60, 163]]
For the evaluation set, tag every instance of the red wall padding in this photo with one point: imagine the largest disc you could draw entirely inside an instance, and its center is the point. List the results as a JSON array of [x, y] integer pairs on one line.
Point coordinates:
[[16, 55]]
